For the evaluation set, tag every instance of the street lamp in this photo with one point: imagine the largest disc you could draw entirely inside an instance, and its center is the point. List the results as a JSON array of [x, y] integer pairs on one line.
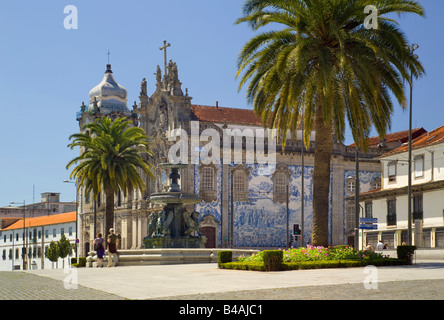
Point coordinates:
[[413, 47], [24, 233], [77, 236]]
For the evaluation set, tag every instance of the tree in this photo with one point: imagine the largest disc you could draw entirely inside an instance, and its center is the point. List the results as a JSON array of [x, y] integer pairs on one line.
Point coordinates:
[[64, 248], [52, 252], [111, 155], [326, 64]]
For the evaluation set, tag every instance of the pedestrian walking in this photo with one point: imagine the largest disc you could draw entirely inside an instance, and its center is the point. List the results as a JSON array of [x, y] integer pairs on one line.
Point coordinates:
[[113, 241], [99, 247]]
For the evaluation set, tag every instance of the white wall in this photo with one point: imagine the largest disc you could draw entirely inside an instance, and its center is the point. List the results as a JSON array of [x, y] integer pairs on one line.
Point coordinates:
[[41, 262]]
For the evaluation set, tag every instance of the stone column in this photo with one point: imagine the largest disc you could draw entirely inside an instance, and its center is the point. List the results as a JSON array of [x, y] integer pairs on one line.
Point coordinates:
[[338, 210], [142, 227], [126, 231], [134, 231], [225, 206]]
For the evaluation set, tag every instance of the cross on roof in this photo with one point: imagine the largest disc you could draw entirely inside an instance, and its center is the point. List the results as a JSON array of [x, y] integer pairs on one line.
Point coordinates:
[[164, 48]]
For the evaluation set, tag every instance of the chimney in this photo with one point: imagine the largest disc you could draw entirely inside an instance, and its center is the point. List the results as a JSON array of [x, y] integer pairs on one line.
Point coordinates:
[[217, 104]]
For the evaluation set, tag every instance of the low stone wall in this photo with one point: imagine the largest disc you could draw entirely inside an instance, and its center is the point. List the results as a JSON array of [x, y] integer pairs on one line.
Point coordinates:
[[420, 254], [166, 256]]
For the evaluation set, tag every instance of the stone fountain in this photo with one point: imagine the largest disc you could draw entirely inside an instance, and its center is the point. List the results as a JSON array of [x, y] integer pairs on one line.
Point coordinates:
[[174, 226]]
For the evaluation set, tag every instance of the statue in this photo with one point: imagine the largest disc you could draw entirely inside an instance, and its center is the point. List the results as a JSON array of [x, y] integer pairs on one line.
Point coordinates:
[[143, 88], [158, 77], [192, 223], [83, 107]]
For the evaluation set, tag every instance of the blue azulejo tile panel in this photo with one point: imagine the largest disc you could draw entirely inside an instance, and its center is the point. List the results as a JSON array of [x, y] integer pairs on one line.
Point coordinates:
[[213, 208]]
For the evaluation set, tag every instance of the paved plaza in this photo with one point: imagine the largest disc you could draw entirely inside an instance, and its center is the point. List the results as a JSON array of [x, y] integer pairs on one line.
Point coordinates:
[[423, 281]]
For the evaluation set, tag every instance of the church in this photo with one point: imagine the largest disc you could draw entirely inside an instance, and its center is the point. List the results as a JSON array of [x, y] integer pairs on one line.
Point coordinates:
[[244, 203]]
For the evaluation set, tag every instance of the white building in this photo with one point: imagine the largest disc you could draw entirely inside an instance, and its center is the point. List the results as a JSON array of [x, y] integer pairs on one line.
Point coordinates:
[[33, 236], [389, 204], [49, 204]]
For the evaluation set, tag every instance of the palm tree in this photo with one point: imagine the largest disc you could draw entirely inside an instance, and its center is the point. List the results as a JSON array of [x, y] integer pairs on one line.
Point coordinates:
[[323, 62], [111, 155]]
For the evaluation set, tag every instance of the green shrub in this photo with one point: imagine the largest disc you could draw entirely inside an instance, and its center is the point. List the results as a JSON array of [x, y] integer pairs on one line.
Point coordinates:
[[405, 253], [82, 262], [224, 256], [318, 264], [237, 265], [273, 259]]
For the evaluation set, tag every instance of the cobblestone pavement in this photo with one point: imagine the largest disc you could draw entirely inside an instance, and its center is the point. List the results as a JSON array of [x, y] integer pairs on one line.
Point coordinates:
[[397, 290], [24, 286]]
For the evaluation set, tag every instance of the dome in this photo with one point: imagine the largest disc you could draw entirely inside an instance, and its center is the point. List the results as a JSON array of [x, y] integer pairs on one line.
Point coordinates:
[[110, 95]]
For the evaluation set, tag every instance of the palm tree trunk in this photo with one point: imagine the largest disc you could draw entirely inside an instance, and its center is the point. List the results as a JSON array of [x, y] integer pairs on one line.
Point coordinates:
[[321, 179], [109, 210]]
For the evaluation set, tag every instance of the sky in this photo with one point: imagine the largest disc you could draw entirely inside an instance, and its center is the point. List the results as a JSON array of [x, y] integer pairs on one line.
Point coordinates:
[[47, 71]]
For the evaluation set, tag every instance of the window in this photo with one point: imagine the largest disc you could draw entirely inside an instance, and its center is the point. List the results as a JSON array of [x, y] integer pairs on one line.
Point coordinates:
[[280, 187], [208, 182], [62, 231], [351, 185], [280, 182], [207, 179], [417, 207], [46, 233], [70, 231], [419, 166], [240, 175], [54, 233], [376, 184], [239, 181], [369, 210], [392, 172], [391, 212]]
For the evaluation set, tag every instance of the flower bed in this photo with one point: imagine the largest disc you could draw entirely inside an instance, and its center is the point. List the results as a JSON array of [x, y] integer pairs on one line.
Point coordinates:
[[311, 257]]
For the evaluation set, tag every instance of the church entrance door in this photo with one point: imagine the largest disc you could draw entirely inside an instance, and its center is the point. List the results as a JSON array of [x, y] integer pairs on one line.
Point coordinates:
[[210, 233]]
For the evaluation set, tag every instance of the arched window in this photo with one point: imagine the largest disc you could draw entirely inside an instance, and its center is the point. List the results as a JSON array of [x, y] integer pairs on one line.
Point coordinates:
[[207, 179], [240, 177], [208, 182], [280, 182]]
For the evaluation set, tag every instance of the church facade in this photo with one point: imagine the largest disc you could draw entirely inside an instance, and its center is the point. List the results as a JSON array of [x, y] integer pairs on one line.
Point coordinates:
[[244, 202]]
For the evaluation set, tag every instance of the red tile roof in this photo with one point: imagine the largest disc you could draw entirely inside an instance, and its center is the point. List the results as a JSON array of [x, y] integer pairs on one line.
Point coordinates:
[[43, 220], [228, 115], [401, 136], [432, 137]]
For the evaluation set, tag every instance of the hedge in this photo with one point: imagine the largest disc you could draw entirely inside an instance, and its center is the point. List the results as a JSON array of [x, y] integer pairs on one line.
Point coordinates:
[[273, 261], [82, 262], [304, 265], [224, 256], [405, 253]]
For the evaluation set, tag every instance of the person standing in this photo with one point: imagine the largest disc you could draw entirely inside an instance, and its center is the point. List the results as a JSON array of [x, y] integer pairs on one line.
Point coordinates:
[[379, 246], [99, 247], [113, 241]]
